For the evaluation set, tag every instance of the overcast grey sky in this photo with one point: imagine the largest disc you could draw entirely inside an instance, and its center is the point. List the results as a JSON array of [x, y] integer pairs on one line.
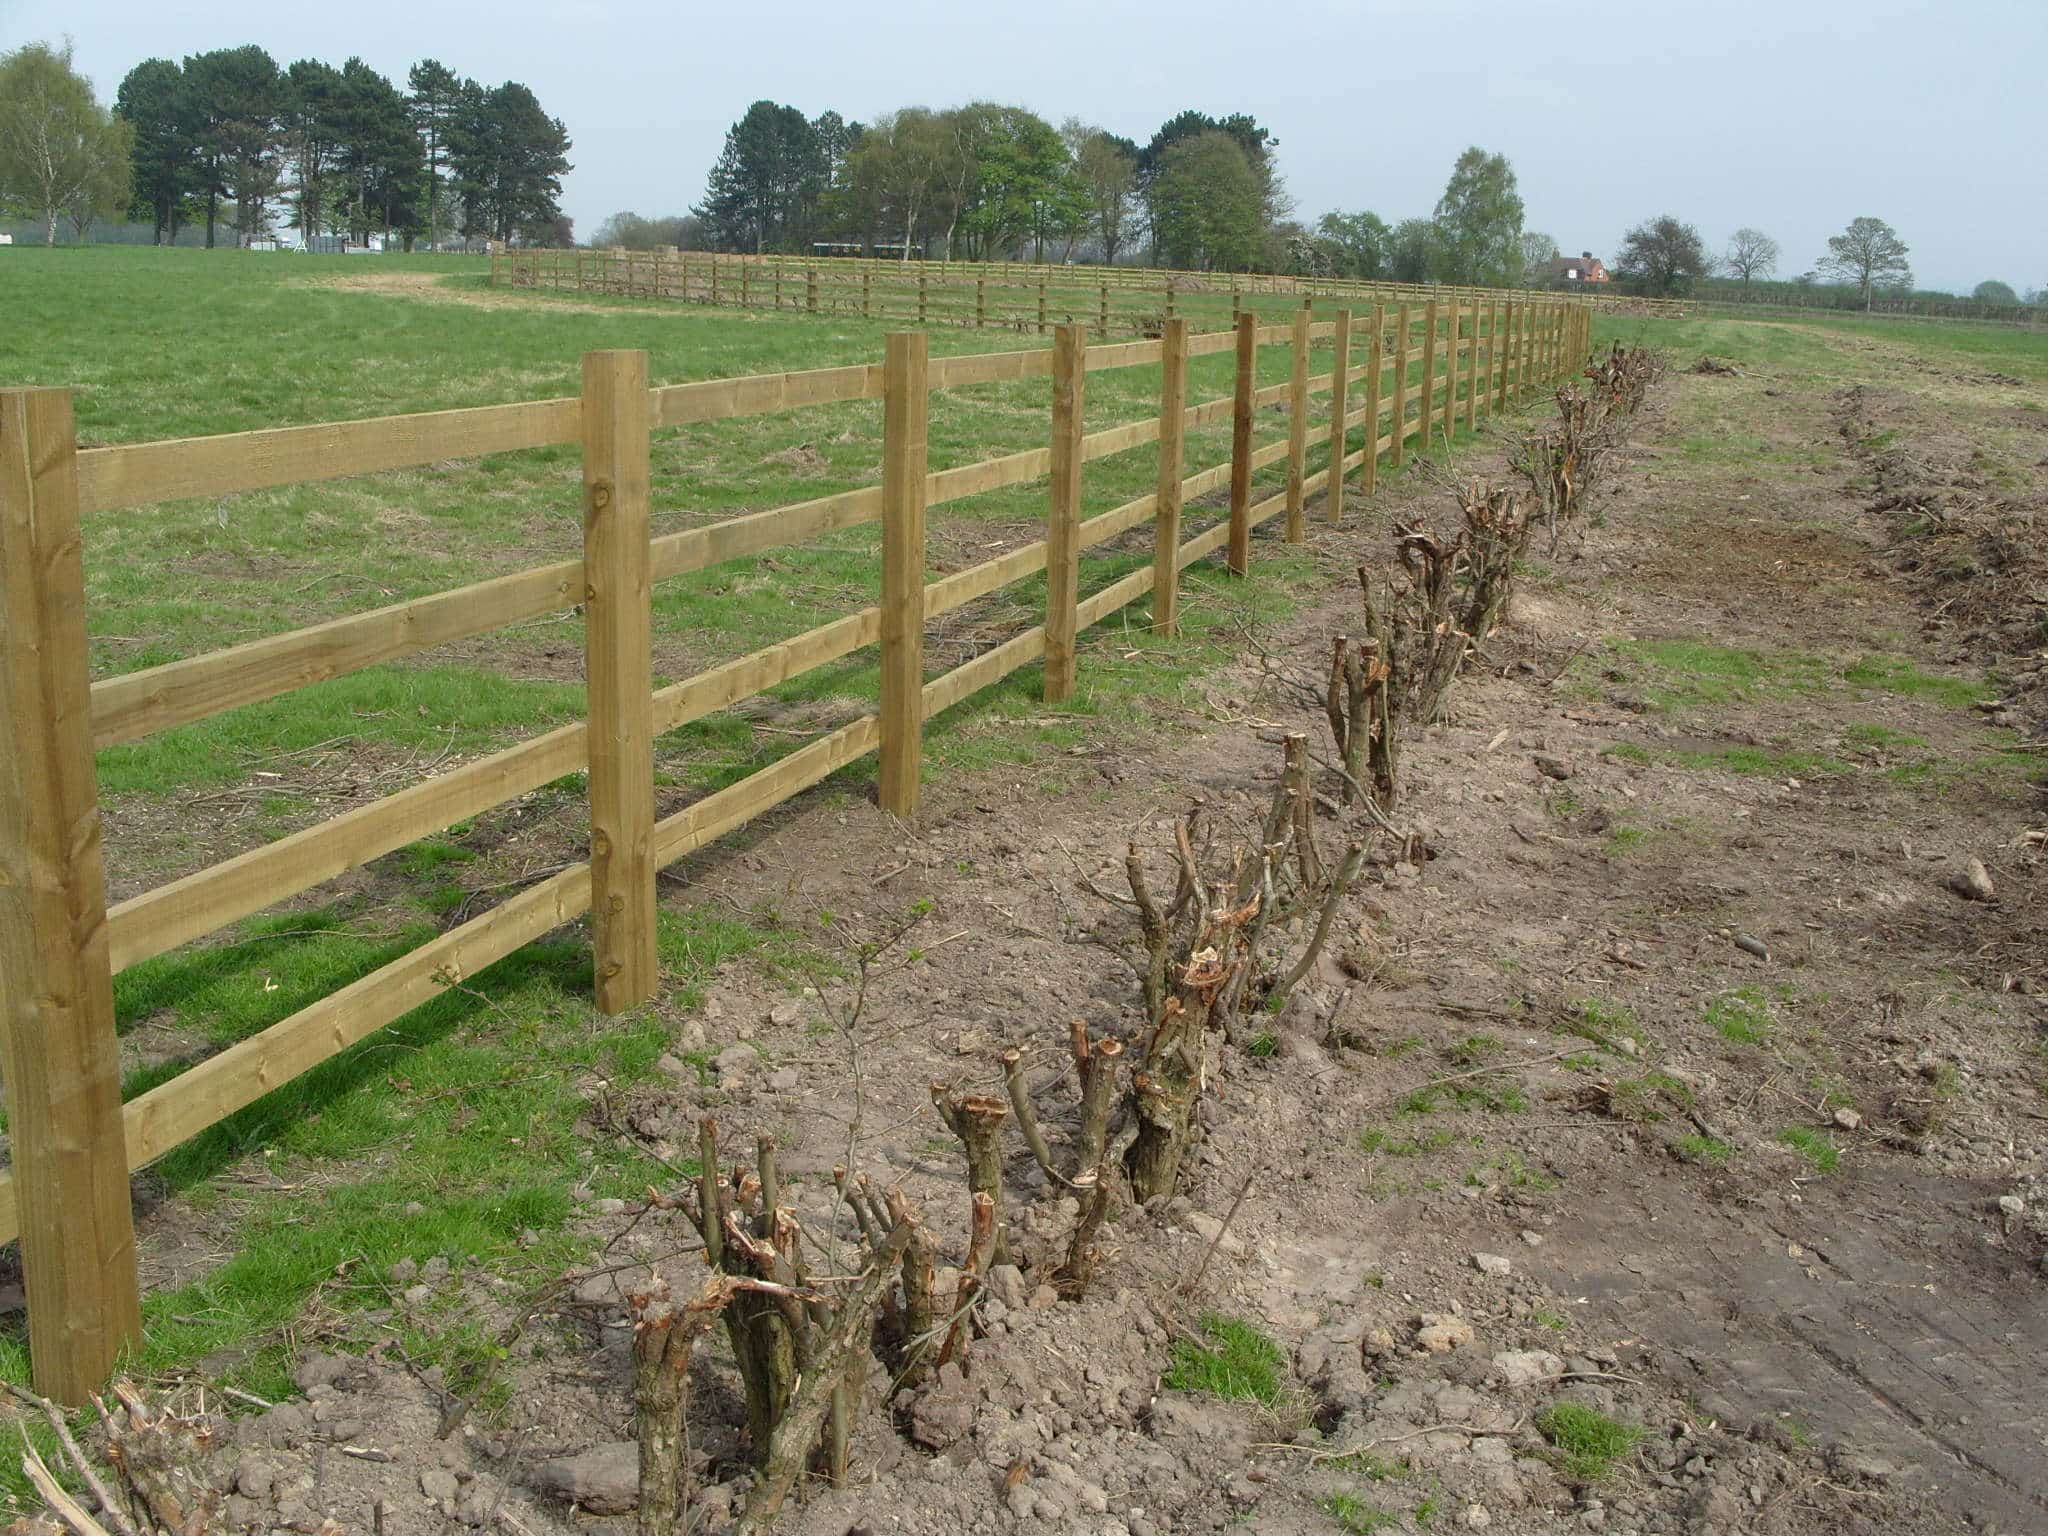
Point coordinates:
[[1792, 115]]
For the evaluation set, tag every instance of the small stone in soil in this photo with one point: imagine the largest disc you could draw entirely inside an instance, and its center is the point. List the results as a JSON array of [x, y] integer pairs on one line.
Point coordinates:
[[1973, 882], [1491, 1264], [1440, 1335]]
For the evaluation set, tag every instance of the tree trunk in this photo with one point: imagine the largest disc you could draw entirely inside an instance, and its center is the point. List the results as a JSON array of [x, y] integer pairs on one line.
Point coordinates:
[[50, 226]]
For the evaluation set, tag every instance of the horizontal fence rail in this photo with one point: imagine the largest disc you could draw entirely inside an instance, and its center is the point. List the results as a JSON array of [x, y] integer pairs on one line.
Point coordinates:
[[1406, 373], [1110, 301]]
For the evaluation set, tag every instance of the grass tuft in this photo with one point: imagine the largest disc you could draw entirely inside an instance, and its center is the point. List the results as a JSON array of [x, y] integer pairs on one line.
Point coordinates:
[[1355, 1517], [1705, 1150], [1742, 1016], [1238, 1363], [1588, 1442], [1817, 1147]]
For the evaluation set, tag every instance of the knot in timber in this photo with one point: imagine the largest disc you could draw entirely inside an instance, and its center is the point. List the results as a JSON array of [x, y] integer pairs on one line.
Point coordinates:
[[600, 495]]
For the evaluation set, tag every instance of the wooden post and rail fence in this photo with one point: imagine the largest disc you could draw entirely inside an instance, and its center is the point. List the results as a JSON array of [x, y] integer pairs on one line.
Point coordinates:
[[1112, 301], [74, 1142]]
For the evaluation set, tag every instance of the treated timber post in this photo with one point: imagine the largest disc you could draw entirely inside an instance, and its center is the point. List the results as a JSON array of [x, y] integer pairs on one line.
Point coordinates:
[[617, 593], [867, 278], [1063, 517], [906, 402], [1400, 386], [778, 285], [1103, 325], [1241, 445], [1041, 304], [1375, 364], [921, 297], [1451, 376], [57, 1046], [1530, 320], [980, 302], [811, 289], [1492, 345], [1507, 356], [746, 271], [1340, 396], [1425, 415], [1173, 396], [1297, 430], [1472, 371]]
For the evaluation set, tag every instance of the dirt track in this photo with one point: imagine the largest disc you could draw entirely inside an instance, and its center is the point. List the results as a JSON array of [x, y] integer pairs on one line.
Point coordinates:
[[1810, 1351]]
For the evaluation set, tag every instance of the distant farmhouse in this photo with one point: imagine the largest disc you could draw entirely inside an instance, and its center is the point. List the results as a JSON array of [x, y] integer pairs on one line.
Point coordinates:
[[1582, 268]]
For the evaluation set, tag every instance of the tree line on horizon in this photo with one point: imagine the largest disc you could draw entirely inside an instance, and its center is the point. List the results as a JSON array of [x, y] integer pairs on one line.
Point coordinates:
[[993, 181], [231, 137], [1667, 257]]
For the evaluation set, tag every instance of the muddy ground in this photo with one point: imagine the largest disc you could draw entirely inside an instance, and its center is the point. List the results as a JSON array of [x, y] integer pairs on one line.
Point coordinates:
[[1549, 1133]]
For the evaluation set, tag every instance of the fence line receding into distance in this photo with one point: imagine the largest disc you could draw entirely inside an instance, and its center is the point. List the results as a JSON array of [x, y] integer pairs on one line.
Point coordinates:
[[74, 1141]]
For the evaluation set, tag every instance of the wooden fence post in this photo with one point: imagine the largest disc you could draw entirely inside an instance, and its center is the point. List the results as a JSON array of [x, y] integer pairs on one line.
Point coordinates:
[[1041, 303], [620, 666], [777, 269], [1451, 372], [1492, 346], [1173, 397], [1241, 445], [1063, 518], [1103, 327], [1375, 364], [906, 404], [1400, 386], [921, 297], [980, 303], [57, 1046], [1340, 397], [1507, 357], [1297, 430], [1425, 424], [811, 289], [867, 279], [1472, 371]]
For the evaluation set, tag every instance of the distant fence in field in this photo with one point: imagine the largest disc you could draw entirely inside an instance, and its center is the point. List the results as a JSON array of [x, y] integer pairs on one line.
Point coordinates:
[[1110, 301], [74, 1142]]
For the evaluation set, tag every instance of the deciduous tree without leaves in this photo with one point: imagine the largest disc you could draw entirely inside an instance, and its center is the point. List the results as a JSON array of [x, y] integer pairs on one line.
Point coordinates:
[[1751, 253], [1869, 254]]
